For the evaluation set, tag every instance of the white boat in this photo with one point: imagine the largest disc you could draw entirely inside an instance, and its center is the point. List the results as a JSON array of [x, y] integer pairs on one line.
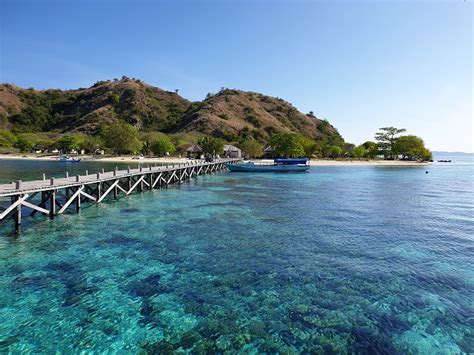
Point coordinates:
[[68, 159]]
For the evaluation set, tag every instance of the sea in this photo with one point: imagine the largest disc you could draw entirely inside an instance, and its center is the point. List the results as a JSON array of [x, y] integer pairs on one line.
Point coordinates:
[[343, 259]]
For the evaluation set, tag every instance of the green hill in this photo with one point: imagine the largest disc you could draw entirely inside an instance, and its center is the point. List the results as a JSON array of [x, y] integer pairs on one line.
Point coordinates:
[[227, 114]]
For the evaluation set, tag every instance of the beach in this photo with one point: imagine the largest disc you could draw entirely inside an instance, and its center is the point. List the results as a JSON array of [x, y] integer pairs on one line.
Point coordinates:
[[171, 160]]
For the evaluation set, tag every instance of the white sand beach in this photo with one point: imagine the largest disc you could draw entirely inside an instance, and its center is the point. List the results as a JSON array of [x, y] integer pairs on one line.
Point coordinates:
[[169, 160]]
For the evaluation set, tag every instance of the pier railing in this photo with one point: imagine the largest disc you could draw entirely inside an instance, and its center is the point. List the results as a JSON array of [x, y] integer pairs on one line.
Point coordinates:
[[55, 196]]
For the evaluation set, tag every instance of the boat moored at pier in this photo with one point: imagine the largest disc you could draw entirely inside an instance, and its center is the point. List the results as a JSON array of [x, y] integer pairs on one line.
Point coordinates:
[[279, 165]]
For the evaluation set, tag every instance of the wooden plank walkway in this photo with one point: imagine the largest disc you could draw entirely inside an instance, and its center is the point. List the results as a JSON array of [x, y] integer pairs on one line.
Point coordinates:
[[55, 195]]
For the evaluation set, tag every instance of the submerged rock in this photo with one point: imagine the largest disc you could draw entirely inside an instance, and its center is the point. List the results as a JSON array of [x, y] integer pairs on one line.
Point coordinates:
[[147, 287]]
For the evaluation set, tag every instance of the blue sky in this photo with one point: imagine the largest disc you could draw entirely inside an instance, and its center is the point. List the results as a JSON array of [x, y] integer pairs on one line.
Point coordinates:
[[360, 64]]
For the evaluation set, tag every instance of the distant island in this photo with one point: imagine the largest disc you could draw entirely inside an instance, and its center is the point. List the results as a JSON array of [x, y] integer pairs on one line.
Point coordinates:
[[128, 116], [438, 152]]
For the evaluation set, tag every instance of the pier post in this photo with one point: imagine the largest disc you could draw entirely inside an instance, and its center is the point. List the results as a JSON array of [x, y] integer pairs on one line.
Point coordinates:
[[17, 213], [51, 181], [103, 171], [67, 174], [87, 172], [18, 184], [99, 190], [44, 176], [52, 202], [78, 200]]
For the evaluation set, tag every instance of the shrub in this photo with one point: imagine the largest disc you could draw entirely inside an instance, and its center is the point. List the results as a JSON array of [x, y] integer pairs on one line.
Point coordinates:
[[7, 139], [253, 120], [24, 143]]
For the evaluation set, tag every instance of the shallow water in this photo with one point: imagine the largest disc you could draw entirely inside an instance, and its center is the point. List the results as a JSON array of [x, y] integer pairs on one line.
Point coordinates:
[[343, 259]]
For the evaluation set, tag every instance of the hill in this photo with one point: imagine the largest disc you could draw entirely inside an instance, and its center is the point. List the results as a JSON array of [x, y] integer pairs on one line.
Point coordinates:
[[232, 113], [228, 114], [86, 110]]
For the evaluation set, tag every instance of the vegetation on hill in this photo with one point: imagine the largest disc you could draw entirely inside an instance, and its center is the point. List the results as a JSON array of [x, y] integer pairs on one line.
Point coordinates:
[[236, 115], [232, 115], [88, 110], [128, 116]]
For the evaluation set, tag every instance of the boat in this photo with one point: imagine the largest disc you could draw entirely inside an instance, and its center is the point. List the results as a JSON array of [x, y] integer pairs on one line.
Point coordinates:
[[68, 159], [444, 161], [280, 165]]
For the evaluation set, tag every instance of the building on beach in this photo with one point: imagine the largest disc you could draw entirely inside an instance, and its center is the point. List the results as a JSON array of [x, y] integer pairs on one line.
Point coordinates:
[[268, 152], [37, 149], [231, 151], [194, 152]]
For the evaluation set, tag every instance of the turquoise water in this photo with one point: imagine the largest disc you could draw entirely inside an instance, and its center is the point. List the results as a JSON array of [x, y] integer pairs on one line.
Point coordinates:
[[339, 260]]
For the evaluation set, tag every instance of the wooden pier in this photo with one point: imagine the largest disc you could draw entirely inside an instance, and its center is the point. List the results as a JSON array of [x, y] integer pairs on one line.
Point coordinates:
[[55, 196]]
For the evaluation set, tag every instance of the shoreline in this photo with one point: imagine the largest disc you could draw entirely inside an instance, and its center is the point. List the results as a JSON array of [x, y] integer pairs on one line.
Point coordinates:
[[168, 160]]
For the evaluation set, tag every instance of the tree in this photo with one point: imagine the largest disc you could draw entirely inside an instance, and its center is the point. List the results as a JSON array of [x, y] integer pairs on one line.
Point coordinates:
[[386, 140], [211, 145], [359, 151], [372, 149], [7, 139], [411, 147], [252, 148], [310, 146], [70, 142], [121, 138], [347, 148], [162, 145], [91, 143], [286, 145], [335, 151], [146, 147], [24, 143]]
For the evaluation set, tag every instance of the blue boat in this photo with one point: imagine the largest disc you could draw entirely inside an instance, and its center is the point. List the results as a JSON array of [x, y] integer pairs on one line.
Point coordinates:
[[280, 165]]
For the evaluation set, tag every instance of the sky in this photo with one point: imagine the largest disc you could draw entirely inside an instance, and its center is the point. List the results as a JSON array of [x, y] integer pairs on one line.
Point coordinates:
[[361, 65]]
